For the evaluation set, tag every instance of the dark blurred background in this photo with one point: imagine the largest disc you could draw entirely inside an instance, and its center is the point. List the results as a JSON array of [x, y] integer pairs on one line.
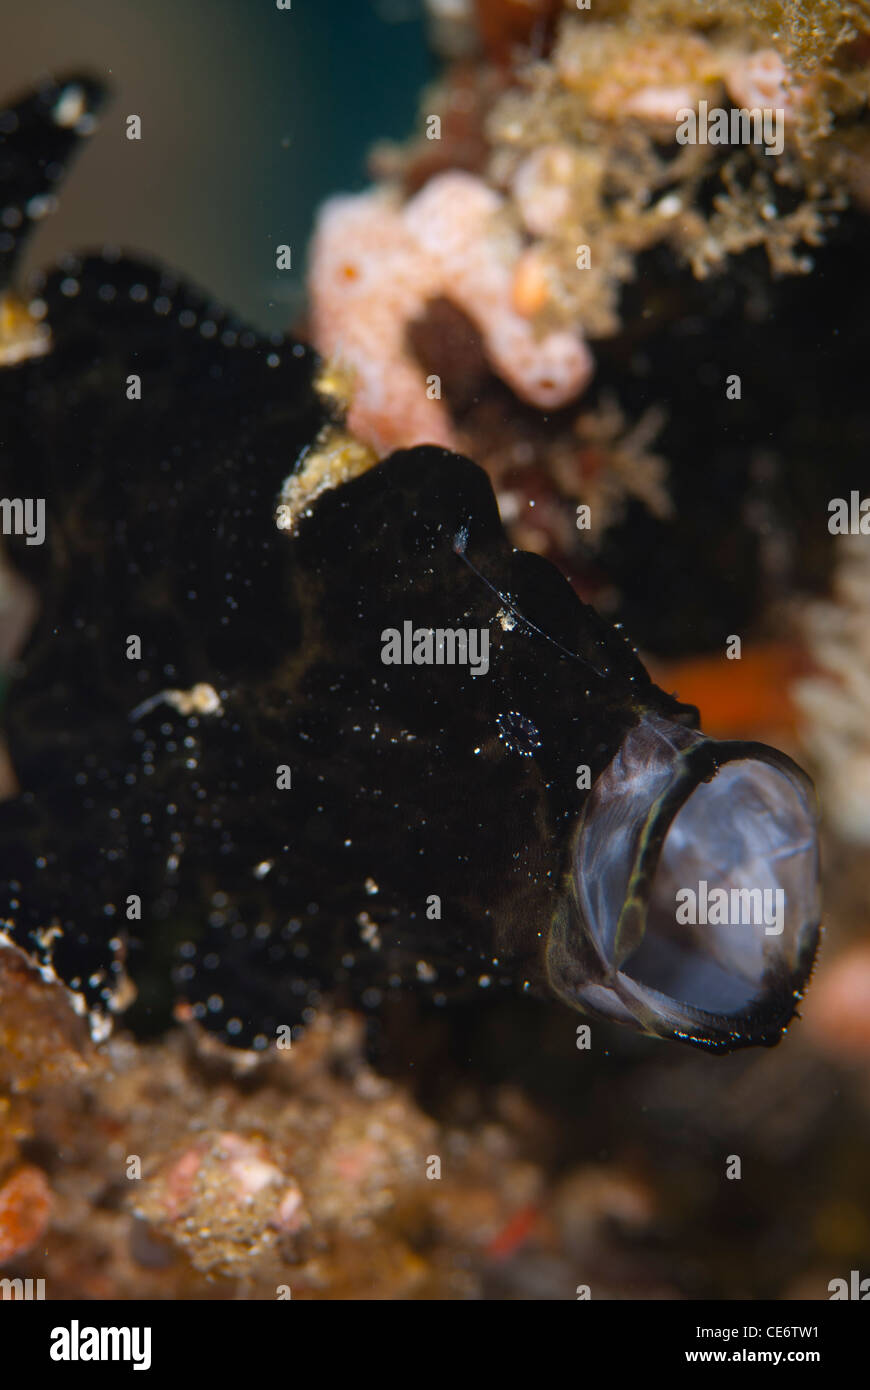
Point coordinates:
[[250, 117]]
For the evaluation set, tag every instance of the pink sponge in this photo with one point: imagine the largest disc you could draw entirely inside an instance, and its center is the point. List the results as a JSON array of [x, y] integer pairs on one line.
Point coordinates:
[[376, 263]]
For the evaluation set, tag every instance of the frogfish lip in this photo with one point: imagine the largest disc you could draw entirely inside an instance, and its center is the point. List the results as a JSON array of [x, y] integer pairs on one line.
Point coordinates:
[[692, 906]]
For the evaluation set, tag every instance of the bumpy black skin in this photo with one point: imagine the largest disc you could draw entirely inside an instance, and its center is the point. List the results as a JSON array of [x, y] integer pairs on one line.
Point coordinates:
[[407, 781]]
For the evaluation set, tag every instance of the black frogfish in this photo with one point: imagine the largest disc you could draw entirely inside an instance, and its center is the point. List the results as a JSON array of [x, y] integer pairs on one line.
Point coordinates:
[[287, 728]]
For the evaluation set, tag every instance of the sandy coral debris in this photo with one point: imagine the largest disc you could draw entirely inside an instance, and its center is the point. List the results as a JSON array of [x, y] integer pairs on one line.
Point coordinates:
[[25, 1210], [224, 1201], [305, 1175]]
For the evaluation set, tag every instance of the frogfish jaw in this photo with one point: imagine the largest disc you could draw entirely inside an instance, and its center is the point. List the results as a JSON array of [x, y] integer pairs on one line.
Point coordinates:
[[692, 905]]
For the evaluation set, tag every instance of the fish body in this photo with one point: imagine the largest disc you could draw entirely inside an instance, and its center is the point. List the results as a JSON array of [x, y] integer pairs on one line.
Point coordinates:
[[370, 748]]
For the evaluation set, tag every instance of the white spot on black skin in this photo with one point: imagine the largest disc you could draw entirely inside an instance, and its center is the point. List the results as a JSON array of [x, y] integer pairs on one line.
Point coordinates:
[[70, 107], [369, 931], [39, 206], [71, 111], [202, 698]]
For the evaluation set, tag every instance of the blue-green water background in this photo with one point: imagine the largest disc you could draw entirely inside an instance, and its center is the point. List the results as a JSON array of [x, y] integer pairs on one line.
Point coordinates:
[[251, 116]]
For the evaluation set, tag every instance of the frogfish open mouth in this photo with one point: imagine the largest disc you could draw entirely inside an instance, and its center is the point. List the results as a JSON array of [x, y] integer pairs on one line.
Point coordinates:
[[293, 726], [674, 809]]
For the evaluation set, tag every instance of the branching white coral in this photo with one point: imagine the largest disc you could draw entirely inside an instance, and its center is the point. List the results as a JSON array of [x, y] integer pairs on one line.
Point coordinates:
[[835, 704]]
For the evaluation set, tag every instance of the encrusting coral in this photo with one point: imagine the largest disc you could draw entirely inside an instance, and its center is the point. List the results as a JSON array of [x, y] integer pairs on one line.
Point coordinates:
[[548, 161]]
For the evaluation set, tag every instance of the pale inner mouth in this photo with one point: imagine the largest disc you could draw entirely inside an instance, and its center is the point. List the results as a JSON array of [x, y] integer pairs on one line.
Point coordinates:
[[740, 853], [732, 908]]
